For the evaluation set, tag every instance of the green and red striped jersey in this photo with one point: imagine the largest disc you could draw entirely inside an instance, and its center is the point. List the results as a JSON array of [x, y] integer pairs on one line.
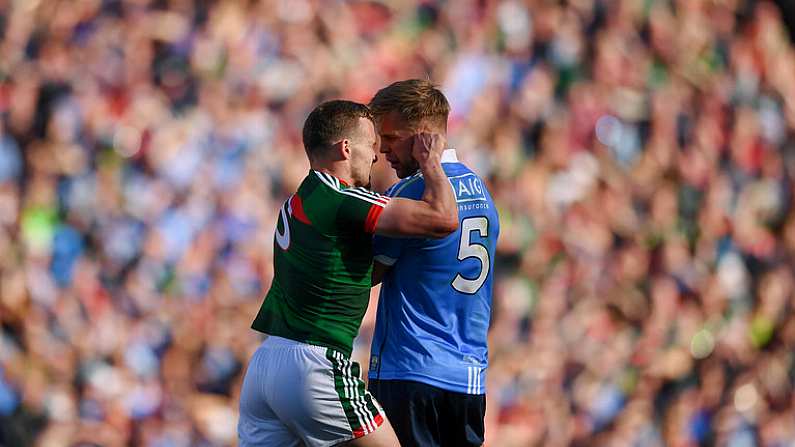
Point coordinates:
[[323, 256]]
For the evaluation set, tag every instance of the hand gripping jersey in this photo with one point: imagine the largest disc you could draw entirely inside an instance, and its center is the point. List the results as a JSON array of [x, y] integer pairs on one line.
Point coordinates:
[[435, 305], [322, 263]]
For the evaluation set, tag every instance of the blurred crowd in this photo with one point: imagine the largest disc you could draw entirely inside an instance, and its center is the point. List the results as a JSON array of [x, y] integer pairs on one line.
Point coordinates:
[[640, 152]]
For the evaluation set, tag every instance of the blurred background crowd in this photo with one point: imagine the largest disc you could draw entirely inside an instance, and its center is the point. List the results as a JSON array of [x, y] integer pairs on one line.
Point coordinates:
[[640, 152]]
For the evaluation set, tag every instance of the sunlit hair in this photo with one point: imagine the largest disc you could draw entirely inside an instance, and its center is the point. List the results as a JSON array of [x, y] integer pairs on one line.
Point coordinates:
[[415, 100]]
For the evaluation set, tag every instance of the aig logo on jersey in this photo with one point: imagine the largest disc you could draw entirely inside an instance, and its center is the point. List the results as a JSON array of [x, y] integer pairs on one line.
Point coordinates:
[[467, 188]]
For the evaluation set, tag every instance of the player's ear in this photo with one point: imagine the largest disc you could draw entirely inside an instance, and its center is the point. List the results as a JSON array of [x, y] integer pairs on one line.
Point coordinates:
[[341, 150], [345, 149]]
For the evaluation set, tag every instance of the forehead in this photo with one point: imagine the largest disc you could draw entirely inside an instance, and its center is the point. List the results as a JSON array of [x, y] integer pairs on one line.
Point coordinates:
[[391, 123]]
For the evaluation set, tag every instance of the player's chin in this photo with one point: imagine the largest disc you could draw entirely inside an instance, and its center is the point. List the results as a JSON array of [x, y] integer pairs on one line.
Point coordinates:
[[410, 170], [404, 172]]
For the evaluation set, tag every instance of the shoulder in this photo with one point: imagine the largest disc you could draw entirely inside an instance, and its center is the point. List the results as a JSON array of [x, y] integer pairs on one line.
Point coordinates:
[[331, 185], [365, 195], [407, 187]]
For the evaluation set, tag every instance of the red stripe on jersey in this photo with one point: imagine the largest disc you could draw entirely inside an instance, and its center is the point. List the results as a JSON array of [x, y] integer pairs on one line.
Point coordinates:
[[358, 433], [297, 207], [372, 218]]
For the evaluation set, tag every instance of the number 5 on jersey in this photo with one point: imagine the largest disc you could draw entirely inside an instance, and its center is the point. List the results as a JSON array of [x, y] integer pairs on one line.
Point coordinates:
[[468, 249]]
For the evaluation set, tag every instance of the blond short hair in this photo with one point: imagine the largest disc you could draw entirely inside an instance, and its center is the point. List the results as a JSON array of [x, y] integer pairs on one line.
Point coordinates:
[[415, 100]]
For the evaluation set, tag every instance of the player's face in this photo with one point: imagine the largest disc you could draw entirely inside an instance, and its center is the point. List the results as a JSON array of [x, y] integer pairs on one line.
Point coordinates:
[[363, 153], [396, 139]]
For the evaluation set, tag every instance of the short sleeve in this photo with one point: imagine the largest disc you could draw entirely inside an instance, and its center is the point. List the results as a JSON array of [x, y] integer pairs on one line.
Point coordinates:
[[360, 209]]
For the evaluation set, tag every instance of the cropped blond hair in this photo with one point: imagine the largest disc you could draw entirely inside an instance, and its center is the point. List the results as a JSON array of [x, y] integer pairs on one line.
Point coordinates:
[[415, 100]]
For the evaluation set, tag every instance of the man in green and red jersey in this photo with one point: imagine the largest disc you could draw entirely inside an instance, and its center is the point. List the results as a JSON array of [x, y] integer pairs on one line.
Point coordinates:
[[301, 388]]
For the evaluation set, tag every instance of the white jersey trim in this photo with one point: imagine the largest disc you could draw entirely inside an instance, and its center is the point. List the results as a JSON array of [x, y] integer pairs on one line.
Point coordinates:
[[449, 156], [358, 192]]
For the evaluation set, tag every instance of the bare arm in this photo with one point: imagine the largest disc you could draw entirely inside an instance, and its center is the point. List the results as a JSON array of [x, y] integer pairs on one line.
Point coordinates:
[[436, 214]]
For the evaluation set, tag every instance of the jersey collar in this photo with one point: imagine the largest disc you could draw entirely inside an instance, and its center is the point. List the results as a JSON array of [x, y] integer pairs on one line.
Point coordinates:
[[342, 182], [449, 156]]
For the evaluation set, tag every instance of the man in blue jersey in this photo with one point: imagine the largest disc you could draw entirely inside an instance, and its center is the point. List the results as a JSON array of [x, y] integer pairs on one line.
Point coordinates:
[[429, 353]]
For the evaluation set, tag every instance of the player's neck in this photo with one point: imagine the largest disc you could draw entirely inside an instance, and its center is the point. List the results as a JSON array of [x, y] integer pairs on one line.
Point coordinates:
[[336, 170]]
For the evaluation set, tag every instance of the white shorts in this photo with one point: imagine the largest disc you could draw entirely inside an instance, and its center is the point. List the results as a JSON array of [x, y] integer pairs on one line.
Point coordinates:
[[297, 394]]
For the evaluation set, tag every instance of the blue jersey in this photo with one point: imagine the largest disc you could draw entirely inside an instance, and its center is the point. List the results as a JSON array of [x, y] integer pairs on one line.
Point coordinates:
[[435, 305]]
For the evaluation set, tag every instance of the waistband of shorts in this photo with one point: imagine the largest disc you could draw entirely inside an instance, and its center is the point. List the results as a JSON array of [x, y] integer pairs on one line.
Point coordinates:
[[276, 342]]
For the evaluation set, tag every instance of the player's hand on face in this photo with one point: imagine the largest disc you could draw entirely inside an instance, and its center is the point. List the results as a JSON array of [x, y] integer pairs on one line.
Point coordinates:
[[427, 147]]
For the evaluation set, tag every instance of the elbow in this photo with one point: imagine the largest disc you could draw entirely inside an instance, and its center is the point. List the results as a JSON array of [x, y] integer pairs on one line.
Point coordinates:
[[451, 226], [445, 227]]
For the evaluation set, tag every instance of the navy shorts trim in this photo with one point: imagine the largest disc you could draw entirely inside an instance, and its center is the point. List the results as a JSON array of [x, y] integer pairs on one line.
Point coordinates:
[[428, 416]]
